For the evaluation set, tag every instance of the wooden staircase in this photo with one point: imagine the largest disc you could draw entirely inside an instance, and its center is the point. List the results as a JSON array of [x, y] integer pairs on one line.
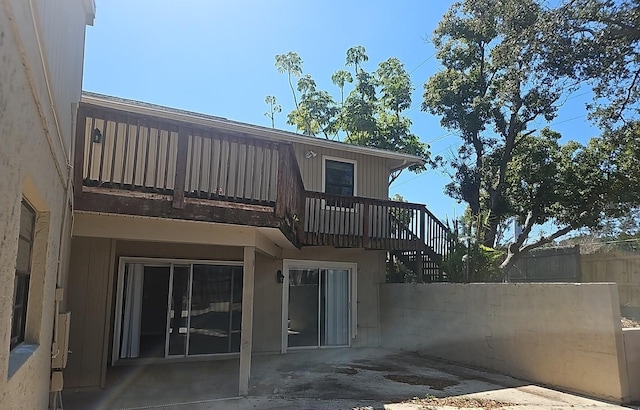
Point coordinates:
[[425, 264]]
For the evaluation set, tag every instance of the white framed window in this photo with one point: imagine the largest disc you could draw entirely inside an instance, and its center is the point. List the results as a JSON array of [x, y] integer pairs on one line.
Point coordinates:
[[22, 277], [339, 176], [176, 308]]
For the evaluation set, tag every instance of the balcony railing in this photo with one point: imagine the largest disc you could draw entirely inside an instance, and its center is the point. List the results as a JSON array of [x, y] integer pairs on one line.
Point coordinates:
[[146, 155], [145, 165]]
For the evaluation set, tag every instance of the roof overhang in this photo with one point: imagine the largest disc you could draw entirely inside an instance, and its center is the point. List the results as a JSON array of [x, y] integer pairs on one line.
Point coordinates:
[[90, 11], [397, 160]]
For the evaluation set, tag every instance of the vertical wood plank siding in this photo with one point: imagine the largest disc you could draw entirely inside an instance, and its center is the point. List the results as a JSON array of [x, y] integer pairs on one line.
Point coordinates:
[[135, 153], [63, 44], [372, 173]]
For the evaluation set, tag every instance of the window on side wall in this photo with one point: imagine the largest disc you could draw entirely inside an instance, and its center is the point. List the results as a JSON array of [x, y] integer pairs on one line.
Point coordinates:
[[22, 274], [339, 177]]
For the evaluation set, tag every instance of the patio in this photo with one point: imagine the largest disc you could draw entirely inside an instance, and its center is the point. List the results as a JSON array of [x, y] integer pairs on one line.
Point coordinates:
[[318, 379]]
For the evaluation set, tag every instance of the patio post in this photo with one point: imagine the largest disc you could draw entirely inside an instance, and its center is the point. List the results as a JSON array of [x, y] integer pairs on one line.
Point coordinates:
[[247, 318]]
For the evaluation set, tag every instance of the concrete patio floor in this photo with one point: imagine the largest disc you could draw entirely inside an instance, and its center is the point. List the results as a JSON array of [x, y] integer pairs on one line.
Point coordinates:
[[321, 379]]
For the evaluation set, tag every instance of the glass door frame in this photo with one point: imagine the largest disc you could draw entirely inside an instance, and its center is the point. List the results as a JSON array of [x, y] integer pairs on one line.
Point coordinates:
[[292, 264], [118, 311]]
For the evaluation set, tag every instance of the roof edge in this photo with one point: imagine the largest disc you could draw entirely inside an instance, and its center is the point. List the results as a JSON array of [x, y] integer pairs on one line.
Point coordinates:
[[140, 107]]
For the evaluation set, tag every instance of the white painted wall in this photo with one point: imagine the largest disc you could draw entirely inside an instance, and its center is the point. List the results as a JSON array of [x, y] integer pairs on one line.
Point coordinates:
[[41, 48], [563, 335]]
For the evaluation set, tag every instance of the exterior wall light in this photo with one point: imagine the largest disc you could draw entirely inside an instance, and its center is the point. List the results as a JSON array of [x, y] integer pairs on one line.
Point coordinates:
[[310, 154], [96, 136]]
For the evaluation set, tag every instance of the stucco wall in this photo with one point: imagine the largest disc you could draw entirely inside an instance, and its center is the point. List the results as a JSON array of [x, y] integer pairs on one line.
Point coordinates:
[[632, 354], [564, 335], [34, 152]]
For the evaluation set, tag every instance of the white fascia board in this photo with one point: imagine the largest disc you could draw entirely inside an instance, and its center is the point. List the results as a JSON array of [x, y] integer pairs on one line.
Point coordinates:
[[404, 160], [90, 11]]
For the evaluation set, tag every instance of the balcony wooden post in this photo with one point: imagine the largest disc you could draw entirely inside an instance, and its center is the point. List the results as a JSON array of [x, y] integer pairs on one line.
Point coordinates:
[[246, 329], [281, 181], [420, 254], [366, 235], [78, 160], [422, 238], [181, 168]]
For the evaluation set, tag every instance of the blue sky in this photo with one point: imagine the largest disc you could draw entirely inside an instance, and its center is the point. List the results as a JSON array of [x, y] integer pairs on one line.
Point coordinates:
[[217, 57]]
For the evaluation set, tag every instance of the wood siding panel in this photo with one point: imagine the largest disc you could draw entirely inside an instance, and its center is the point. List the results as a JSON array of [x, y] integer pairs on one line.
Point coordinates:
[[87, 301], [62, 31], [372, 172]]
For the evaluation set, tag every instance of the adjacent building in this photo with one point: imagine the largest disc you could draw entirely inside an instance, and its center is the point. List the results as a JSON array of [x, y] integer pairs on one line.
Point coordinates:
[[41, 54]]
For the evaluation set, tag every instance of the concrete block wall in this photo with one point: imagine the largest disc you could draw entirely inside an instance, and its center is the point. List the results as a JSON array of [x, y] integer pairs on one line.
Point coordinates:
[[563, 335], [632, 354]]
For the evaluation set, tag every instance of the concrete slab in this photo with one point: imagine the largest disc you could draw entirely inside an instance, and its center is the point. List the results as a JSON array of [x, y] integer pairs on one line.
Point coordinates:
[[325, 379]]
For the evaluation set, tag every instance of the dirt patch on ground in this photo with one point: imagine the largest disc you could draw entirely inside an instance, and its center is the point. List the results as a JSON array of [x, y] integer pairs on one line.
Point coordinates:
[[346, 370], [433, 382], [459, 402], [372, 368]]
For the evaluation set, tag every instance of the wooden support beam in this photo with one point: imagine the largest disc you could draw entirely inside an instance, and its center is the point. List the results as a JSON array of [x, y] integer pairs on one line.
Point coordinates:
[[78, 160], [247, 318], [181, 168]]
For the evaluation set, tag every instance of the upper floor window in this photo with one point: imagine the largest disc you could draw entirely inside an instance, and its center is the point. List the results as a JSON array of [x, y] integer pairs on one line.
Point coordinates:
[[339, 177], [23, 274]]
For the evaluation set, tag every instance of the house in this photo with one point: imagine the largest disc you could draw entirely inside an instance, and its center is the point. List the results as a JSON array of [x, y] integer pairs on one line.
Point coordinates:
[[41, 49], [199, 237]]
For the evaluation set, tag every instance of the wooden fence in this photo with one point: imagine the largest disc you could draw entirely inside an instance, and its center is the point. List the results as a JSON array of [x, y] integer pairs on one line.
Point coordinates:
[[620, 267]]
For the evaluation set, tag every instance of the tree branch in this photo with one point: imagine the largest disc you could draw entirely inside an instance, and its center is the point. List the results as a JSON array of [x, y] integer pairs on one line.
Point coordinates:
[[547, 239], [629, 93]]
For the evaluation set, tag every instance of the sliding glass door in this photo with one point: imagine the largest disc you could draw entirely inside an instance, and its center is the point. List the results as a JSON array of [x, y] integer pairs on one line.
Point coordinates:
[[167, 309], [318, 307]]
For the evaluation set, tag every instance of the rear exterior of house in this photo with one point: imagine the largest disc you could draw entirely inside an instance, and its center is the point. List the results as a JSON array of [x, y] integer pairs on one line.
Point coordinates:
[[195, 237], [41, 49]]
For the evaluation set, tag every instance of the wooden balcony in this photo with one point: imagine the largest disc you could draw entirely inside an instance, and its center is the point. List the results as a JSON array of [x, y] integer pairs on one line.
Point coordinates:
[[135, 164]]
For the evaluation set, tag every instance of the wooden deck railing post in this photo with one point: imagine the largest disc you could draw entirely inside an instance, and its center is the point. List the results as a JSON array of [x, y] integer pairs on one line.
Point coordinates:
[[366, 234], [281, 181], [422, 245], [181, 168], [422, 238], [78, 160]]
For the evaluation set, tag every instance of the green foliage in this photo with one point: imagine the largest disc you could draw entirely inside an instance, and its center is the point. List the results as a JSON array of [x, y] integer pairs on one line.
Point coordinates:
[[598, 42], [290, 63], [274, 108], [371, 114], [470, 260], [508, 65]]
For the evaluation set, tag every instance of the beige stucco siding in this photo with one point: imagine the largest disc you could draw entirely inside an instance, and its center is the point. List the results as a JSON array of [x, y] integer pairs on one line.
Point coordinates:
[[35, 135], [372, 173]]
